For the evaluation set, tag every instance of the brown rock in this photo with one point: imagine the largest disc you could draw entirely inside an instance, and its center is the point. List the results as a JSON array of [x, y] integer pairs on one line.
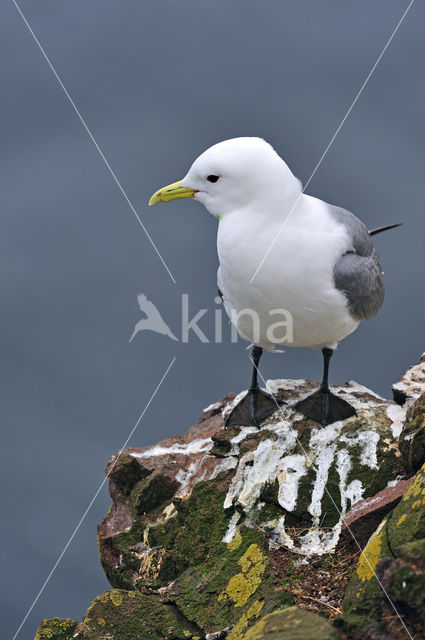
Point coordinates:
[[119, 519], [216, 408], [365, 515], [143, 480], [412, 383], [152, 492]]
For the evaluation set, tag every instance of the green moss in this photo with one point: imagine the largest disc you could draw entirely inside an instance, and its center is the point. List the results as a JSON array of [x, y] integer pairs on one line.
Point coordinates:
[[390, 465], [200, 524], [125, 472], [302, 515], [250, 443], [331, 501], [222, 441], [127, 615], [269, 513], [56, 629], [396, 554], [412, 443], [220, 591], [152, 492], [407, 521], [121, 574], [290, 579]]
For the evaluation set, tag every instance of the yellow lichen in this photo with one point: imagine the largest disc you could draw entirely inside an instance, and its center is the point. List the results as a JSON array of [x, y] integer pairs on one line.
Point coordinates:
[[116, 597], [401, 519], [273, 624], [49, 628], [369, 557], [101, 622], [239, 629], [103, 597], [416, 504], [242, 585], [415, 488], [254, 609], [235, 543]]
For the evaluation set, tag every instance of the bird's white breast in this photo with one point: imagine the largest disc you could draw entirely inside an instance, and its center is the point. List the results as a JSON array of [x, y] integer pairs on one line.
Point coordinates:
[[296, 277]]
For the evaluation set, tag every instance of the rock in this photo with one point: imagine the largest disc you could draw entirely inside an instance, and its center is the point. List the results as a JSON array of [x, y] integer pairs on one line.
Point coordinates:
[[411, 385], [209, 532], [233, 586], [412, 437], [291, 473], [206, 541], [128, 615], [56, 629], [292, 624], [394, 555], [363, 517], [215, 408]]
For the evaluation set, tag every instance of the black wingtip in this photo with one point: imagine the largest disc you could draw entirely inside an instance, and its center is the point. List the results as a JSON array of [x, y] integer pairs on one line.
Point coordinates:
[[373, 232]]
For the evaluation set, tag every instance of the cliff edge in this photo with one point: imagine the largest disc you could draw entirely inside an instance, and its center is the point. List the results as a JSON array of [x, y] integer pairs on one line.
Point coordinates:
[[265, 534]]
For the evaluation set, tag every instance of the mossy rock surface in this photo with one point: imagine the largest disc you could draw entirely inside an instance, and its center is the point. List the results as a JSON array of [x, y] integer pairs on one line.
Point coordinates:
[[412, 438], [190, 541], [232, 587], [191, 493], [292, 623], [395, 554], [130, 615], [56, 629]]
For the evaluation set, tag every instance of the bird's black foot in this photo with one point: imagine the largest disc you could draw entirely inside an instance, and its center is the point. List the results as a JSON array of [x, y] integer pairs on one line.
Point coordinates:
[[325, 407], [256, 406]]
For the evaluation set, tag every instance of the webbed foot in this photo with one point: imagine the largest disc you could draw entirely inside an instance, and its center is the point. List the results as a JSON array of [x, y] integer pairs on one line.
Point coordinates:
[[255, 406], [325, 407]]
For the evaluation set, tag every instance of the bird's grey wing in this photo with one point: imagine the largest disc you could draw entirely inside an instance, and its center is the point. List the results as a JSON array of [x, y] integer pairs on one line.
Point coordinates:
[[358, 273]]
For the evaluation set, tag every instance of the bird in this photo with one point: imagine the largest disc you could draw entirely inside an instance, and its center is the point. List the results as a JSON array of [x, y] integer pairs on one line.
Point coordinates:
[[281, 249], [153, 320]]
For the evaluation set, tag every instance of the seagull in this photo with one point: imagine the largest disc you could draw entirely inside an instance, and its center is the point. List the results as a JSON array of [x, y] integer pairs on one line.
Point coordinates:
[[153, 321], [281, 249]]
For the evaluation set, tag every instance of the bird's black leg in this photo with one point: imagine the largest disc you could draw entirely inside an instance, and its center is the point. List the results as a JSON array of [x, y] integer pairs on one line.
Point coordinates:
[[324, 387], [256, 405], [323, 406]]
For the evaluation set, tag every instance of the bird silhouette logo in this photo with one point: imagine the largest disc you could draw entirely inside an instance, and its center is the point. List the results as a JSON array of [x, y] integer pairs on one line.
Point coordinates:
[[153, 320]]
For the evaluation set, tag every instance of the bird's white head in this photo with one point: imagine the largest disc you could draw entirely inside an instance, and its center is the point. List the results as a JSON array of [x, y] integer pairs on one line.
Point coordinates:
[[235, 174]]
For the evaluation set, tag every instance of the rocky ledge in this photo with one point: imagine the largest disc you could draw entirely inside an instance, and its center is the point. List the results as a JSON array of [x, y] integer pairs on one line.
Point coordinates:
[[263, 534]]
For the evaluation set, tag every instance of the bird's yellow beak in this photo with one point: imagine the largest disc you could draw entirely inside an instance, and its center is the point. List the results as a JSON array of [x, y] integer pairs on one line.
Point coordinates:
[[172, 192]]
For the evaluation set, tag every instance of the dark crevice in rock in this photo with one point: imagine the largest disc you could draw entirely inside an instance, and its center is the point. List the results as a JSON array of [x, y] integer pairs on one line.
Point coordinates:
[[190, 623], [387, 535]]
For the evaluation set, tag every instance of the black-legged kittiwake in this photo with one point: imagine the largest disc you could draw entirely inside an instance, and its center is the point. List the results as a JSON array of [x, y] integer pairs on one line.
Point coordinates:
[[282, 251]]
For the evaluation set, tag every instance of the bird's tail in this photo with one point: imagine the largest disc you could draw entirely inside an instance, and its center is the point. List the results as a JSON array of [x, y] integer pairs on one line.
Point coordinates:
[[373, 232]]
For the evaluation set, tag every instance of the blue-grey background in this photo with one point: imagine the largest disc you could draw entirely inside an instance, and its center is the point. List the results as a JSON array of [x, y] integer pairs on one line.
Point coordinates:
[[158, 82]]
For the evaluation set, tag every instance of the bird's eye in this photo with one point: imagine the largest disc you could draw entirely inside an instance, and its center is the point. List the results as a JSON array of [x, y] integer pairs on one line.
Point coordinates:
[[212, 178]]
